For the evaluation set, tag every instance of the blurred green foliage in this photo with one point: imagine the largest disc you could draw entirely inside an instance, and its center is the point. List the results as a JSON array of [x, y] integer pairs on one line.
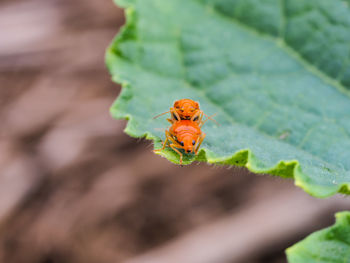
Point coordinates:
[[330, 245]]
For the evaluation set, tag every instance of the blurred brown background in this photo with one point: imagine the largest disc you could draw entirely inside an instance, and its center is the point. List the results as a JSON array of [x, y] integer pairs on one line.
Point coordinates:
[[75, 188]]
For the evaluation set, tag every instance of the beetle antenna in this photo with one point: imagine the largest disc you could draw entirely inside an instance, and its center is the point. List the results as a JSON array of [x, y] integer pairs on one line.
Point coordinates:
[[160, 114], [211, 118]]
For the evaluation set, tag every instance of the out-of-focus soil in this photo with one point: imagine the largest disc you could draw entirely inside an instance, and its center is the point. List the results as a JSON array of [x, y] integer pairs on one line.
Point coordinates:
[[75, 188]]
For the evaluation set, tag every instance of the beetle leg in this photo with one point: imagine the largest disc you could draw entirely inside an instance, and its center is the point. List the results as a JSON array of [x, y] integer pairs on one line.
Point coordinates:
[[174, 115], [201, 116], [200, 140], [195, 145], [173, 146], [173, 140], [198, 116], [161, 149], [167, 137], [200, 119]]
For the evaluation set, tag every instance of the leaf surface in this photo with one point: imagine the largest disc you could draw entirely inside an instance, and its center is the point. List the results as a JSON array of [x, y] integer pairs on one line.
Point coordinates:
[[276, 72], [330, 245]]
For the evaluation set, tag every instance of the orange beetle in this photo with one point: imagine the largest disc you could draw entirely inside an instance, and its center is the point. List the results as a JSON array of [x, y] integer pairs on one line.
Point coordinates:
[[184, 134], [186, 109]]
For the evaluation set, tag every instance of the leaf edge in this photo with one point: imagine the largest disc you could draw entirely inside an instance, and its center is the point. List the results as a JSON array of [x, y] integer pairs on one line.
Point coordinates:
[[251, 163]]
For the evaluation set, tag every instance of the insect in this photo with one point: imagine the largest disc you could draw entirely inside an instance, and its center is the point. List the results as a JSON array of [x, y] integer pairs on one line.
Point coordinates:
[[184, 134], [186, 109]]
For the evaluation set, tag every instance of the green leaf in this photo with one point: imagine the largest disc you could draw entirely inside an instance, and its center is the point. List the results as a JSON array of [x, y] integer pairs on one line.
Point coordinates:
[[276, 72], [330, 245]]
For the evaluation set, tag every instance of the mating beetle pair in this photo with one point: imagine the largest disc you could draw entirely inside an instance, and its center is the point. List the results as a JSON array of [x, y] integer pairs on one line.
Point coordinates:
[[185, 132]]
